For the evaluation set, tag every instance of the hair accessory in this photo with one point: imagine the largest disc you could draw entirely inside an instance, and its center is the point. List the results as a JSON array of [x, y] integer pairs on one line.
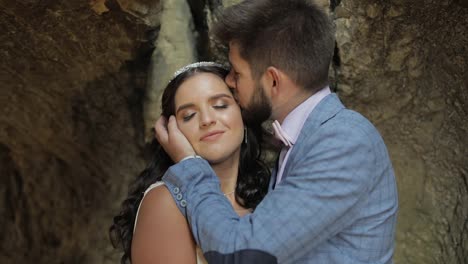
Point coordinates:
[[197, 65]]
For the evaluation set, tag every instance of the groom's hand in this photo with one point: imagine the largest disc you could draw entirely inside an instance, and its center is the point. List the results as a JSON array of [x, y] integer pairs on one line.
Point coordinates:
[[172, 140]]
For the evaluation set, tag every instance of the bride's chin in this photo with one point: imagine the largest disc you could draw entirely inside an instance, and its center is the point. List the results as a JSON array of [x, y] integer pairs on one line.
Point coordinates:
[[219, 156], [215, 160]]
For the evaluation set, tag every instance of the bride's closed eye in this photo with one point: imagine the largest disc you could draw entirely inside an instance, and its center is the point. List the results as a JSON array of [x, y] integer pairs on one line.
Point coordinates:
[[186, 117], [220, 106]]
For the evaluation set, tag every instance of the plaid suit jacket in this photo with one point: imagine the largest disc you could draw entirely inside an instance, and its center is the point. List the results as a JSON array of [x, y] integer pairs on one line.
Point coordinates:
[[337, 202]]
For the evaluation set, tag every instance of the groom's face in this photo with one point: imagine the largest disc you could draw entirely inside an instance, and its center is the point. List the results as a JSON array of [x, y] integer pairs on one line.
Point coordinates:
[[249, 93]]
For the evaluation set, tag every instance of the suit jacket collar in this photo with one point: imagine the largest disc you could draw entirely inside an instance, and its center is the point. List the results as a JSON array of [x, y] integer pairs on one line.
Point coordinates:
[[324, 111]]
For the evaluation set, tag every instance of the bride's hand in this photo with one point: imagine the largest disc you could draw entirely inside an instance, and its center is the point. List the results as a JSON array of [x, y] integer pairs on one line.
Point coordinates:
[[172, 140]]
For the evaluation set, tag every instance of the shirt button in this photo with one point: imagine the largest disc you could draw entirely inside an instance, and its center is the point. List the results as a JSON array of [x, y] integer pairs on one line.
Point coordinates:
[[183, 203], [179, 196], [176, 190]]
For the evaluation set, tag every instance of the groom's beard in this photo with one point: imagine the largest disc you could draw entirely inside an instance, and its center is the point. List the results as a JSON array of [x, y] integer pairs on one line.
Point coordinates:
[[259, 108]]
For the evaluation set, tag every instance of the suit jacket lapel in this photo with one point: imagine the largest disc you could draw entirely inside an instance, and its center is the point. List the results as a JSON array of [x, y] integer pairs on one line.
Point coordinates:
[[324, 111]]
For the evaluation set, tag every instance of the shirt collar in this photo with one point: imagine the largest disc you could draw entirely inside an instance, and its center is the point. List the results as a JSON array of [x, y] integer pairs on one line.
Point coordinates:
[[295, 120]]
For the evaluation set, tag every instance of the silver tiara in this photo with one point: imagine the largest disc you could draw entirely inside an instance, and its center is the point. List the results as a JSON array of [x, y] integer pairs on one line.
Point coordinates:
[[196, 65]]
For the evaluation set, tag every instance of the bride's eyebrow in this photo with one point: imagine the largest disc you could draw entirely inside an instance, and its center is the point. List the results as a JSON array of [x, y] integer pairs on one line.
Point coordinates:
[[184, 106], [214, 97], [217, 96]]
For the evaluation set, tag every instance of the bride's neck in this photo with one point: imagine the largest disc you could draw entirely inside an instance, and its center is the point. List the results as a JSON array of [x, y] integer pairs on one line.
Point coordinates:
[[227, 172]]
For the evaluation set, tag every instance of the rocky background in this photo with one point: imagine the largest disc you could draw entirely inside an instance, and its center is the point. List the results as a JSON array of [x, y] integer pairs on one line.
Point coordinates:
[[80, 82]]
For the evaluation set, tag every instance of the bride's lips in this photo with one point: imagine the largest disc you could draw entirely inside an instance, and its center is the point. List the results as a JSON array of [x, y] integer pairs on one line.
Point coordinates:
[[213, 135]]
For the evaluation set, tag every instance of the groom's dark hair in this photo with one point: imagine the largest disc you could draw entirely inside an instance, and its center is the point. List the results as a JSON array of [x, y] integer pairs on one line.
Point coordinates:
[[295, 36]]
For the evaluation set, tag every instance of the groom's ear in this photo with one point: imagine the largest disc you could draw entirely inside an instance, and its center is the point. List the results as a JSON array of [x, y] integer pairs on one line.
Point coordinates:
[[272, 80]]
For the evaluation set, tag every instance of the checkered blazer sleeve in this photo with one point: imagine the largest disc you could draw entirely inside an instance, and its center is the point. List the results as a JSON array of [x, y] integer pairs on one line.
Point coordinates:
[[329, 175]]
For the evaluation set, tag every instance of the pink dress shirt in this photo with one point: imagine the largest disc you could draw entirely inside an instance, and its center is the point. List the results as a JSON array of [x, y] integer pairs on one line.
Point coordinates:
[[293, 123]]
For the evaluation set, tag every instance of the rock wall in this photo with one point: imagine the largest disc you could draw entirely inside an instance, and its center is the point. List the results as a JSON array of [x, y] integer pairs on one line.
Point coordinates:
[[71, 126], [78, 94], [404, 65], [174, 48]]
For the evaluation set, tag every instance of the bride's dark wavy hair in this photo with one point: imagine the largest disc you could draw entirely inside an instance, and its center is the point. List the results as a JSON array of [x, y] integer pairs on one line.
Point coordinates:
[[252, 182]]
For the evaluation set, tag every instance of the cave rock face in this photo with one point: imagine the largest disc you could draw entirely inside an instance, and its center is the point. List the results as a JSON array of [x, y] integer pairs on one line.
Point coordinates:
[[404, 65], [80, 89], [71, 126]]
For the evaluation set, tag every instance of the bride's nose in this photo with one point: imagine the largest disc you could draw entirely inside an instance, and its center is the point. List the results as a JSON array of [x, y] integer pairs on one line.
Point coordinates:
[[207, 119]]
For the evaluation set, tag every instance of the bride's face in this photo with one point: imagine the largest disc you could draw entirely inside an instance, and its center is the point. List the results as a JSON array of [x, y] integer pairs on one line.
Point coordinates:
[[209, 117]]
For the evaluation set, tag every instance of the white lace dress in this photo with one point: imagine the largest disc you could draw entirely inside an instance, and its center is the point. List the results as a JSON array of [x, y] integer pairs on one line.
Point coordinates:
[[200, 258]]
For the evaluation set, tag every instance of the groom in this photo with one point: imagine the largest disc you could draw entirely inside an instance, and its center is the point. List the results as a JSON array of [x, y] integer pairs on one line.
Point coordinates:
[[333, 198]]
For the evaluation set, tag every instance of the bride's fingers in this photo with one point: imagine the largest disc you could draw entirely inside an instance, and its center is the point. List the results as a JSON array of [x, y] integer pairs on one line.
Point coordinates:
[[172, 128], [160, 128]]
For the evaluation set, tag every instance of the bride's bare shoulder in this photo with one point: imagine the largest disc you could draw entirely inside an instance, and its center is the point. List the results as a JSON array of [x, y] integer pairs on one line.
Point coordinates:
[[161, 223]]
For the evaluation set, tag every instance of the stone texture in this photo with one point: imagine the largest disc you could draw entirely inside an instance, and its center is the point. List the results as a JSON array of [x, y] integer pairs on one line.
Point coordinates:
[[404, 65], [174, 48], [77, 105], [148, 11], [71, 86]]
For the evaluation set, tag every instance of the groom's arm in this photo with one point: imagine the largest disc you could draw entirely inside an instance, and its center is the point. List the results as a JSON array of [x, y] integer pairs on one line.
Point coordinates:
[[321, 196]]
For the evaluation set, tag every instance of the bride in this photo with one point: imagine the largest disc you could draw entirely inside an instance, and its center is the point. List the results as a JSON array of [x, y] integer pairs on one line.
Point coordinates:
[[150, 228]]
